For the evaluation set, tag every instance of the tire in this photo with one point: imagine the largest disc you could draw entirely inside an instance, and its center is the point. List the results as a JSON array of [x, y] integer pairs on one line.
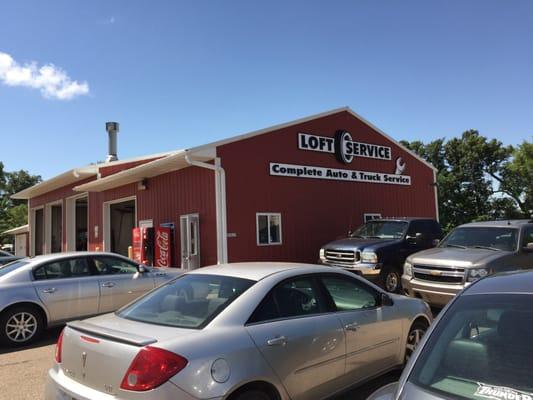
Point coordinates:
[[252, 395], [391, 279], [416, 332], [20, 325]]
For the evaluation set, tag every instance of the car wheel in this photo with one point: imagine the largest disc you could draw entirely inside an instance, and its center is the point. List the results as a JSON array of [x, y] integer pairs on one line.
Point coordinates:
[[20, 326], [417, 331], [253, 395], [391, 278]]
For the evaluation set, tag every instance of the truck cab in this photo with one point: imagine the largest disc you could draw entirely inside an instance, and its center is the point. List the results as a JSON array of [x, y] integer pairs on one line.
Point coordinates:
[[377, 249]]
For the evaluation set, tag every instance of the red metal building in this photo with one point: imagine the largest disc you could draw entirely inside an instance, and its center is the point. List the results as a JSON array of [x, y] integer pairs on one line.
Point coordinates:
[[274, 194]]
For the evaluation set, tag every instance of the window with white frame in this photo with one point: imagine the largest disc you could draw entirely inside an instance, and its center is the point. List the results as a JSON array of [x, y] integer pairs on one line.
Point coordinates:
[[371, 216], [268, 228]]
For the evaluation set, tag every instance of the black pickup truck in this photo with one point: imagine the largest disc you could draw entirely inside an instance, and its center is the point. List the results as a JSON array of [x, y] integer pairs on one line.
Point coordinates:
[[377, 250]]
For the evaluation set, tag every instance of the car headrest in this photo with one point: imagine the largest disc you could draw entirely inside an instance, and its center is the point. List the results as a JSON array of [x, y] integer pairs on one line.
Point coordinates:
[[516, 325], [467, 358]]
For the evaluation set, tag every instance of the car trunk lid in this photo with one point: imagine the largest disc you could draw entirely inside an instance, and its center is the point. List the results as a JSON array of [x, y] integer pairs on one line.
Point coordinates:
[[97, 353]]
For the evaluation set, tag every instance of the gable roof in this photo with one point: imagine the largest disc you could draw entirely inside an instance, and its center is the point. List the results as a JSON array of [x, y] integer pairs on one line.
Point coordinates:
[[175, 160], [311, 118]]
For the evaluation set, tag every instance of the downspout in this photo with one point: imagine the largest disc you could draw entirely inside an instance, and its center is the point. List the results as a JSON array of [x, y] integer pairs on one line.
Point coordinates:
[[220, 202]]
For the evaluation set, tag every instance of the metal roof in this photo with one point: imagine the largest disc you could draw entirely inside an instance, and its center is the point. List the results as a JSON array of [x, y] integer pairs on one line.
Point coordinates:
[[75, 175], [18, 230], [176, 160]]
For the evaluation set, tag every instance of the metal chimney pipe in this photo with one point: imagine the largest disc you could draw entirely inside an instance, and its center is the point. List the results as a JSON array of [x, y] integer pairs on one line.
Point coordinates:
[[112, 130]]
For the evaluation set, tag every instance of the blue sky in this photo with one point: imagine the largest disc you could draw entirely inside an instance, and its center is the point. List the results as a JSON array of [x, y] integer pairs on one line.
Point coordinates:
[[178, 74]]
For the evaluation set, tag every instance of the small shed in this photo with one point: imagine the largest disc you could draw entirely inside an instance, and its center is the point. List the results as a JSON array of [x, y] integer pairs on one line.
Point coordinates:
[[21, 235]]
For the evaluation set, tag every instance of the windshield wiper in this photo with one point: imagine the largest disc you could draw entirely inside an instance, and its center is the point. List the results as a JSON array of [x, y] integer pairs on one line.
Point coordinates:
[[373, 237], [456, 245], [357, 236], [486, 248]]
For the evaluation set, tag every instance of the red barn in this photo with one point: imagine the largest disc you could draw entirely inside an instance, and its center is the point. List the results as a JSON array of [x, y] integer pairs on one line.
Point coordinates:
[[274, 194]]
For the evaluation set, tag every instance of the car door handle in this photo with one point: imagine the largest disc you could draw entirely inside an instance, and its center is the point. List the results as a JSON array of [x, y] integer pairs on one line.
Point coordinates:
[[108, 284], [50, 290], [160, 274], [277, 341], [351, 327]]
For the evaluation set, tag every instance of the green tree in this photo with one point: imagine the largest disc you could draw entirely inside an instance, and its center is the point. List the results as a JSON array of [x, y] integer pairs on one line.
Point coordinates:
[[13, 212], [478, 178], [516, 178]]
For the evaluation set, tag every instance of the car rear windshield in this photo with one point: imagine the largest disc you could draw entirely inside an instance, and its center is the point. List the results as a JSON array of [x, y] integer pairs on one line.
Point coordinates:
[[481, 348], [12, 266], [190, 301], [483, 237], [381, 230]]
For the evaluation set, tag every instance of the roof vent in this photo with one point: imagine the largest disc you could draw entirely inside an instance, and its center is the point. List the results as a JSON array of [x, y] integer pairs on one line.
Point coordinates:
[[112, 130]]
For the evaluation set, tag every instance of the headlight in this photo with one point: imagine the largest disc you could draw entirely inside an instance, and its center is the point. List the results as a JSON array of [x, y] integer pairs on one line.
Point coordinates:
[[476, 273], [369, 257], [322, 254], [408, 269]]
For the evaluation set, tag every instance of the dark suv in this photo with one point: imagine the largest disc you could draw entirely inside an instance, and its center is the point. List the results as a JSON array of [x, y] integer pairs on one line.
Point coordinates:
[[378, 249]]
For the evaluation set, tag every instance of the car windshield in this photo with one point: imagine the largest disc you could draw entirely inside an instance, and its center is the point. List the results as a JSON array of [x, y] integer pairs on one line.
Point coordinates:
[[381, 230], [5, 254], [491, 238], [190, 301], [481, 348], [13, 265]]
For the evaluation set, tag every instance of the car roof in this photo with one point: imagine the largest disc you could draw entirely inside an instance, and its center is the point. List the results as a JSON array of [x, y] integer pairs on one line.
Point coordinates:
[[499, 224], [503, 283], [258, 270], [402, 219], [60, 256]]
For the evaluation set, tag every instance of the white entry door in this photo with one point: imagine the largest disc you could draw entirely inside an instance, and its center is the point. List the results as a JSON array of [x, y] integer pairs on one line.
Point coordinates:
[[190, 241], [20, 246]]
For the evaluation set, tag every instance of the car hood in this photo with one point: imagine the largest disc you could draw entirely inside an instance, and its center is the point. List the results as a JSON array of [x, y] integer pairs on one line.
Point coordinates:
[[452, 256], [359, 244]]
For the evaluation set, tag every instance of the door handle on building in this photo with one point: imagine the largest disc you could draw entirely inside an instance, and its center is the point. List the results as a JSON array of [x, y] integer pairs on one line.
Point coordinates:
[[351, 327], [108, 284], [49, 290], [277, 341]]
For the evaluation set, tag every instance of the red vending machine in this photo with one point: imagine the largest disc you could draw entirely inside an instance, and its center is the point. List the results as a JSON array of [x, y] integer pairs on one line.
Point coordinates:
[[163, 246], [143, 245]]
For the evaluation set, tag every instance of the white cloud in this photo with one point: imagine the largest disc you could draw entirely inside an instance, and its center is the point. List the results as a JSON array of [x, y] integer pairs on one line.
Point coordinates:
[[52, 81]]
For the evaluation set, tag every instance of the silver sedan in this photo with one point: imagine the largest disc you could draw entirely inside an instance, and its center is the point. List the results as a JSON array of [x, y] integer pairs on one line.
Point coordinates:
[[250, 331], [49, 290]]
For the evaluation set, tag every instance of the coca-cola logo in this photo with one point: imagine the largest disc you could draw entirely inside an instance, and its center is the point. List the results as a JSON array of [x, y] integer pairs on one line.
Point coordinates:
[[162, 242]]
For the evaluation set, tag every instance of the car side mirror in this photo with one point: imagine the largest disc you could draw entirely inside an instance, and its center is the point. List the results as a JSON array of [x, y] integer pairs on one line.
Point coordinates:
[[386, 300], [528, 248], [414, 239], [142, 269], [435, 242]]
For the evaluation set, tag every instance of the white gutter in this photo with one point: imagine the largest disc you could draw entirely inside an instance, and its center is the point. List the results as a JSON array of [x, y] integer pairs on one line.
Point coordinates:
[[220, 202]]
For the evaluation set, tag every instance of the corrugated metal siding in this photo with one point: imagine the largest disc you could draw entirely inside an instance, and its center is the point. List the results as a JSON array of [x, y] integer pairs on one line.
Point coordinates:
[[313, 211], [187, 191]]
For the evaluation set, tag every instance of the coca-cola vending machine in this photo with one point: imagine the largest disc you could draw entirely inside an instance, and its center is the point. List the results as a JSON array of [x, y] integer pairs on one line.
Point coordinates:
[[143, 245], [163, 246]]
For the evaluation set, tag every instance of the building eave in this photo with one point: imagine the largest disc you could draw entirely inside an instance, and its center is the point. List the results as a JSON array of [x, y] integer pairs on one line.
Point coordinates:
[[64, 179], [169, 163], [18, 230]]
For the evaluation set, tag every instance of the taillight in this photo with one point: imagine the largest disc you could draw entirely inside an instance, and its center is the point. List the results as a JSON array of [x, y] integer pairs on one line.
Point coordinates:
[[152, 367], [59, 346]]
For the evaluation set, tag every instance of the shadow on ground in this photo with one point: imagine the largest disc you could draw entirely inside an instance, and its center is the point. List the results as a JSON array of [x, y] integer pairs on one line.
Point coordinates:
[[47, 338]]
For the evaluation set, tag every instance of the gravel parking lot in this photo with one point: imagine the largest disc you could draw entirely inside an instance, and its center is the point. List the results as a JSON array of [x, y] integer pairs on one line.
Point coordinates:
[[24, 370]]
